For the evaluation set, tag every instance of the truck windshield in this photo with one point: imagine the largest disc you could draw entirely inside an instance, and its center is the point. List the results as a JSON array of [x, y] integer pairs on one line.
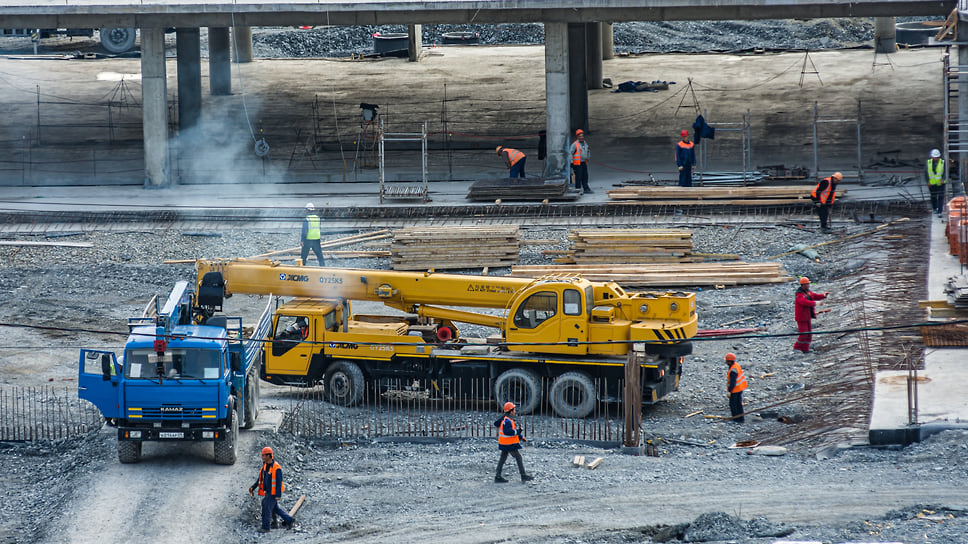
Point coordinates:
[[202, 364]]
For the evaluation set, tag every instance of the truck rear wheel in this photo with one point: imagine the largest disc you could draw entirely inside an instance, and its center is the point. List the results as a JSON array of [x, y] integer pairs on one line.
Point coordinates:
[[344, 384], [226, 451], [129, 451], [117, 40], [573, 395], [251, 405], [520, 386]]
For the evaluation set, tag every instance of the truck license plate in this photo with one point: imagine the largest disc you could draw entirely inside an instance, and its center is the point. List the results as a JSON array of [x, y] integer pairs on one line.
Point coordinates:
[[171, 435]]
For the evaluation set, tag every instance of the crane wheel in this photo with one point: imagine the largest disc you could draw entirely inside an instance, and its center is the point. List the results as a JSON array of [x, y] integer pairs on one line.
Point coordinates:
[[520, 386], [573, 395]]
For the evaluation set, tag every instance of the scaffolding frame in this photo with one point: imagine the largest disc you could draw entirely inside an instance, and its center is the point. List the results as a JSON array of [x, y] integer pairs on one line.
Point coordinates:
[[400, 190], [817, 120], [743, 127]]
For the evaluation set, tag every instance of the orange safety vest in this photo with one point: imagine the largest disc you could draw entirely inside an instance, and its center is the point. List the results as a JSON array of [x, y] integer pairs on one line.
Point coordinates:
[[513, 155], [828, 195], [272, 484], [508, 439], [741, 384], [576, 158]]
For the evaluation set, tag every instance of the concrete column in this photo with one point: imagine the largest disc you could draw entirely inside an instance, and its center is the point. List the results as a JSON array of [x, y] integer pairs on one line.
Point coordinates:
[[608, 42], [884, 35], [414, 42], [242, 44], [154, 111], [577, 79], [593, 55], [188, 47], [219, 61], [962, 156], [556, 99]]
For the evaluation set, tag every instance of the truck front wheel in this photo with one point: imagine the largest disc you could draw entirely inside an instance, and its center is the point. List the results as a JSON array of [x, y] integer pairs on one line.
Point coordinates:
[[129, 451], [520, 386], [226, 451], [573, 395], [344, 383]]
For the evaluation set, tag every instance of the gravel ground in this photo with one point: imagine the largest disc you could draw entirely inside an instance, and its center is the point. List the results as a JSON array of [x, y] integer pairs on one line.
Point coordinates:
[[697, 490]]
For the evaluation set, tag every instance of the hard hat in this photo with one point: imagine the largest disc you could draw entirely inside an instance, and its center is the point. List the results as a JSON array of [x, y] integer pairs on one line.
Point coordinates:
[[310, 207], [684, 133], [579, 131], [266, 450], [730, 357], [508, 406], [804, 280], [935, 154], [498, 149], [838, 176]]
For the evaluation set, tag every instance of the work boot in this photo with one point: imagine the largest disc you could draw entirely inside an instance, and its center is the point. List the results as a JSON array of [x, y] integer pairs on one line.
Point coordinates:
[[588, 190], [500, 480], [526, 477], [261, 530]]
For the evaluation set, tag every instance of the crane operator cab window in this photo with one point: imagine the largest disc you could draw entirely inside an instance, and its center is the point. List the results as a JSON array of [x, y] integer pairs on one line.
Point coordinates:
[[290, 331], [536, 309]]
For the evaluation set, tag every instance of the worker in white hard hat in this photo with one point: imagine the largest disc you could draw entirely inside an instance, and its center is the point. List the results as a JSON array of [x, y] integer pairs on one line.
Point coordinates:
[[935, 173], [309, 239]]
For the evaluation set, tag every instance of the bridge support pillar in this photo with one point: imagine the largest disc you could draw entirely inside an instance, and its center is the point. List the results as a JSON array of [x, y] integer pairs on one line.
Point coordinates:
[[154, 100], [885, 38], [959, 142], [577, 78], [219, 62], [414, 42], [189, 68], [608, 41], [242, 44], [593, 54], [557, 118]]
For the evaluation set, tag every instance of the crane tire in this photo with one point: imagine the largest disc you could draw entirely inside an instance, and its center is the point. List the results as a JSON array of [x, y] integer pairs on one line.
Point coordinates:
[[227, 451], [573, 394], [344, 383], [520, 386]]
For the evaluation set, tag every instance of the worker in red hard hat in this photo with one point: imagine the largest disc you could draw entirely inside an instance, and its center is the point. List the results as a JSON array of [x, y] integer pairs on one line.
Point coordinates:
[[805, 310], [735, 385], [513, 159], [509, 440], [685, 159], [579, 154], [823, 197], [270, 488]]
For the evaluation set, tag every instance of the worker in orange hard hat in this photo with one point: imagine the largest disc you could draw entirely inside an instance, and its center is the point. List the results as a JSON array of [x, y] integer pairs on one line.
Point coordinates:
[[685, 159], [805, 310], [823, 197], [270, 488], [580, 154], [513, 159], [735, 385], [509, 440]]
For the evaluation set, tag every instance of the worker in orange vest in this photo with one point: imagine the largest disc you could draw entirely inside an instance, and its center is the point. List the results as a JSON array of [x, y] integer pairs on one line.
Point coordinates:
[[735, 385], [580, 154], [509, 442], [270, 488], [823, 197], [514, 161], [685, 159]]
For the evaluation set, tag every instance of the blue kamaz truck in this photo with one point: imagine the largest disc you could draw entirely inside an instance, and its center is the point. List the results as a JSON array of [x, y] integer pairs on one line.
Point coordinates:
[[188, 373]]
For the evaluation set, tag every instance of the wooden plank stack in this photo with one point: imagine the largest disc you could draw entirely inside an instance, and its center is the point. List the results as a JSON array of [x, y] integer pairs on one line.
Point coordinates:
[[521, 189], [698, 196], [442, 248], [670, 274], [626, 246]]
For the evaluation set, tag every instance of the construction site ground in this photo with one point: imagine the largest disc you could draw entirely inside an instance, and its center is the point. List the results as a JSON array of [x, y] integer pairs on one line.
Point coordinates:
[[829, 487]]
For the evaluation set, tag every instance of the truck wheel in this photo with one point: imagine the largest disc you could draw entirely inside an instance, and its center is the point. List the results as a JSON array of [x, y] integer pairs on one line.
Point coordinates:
[[226, 451], [573, 395], [129, 451], [680, 349], [520, 386], [117, 40], [251, 406], [344, 384]]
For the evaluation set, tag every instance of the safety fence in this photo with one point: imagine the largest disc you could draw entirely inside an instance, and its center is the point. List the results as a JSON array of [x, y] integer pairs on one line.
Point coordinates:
[[455, 410], [44, 413]]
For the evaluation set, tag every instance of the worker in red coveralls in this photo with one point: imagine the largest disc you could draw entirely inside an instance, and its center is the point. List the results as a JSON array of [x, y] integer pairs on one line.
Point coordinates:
[[805, 310]]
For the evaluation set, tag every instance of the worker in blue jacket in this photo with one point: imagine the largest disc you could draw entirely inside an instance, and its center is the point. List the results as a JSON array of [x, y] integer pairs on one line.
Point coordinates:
[[270, 487], [685, 159]]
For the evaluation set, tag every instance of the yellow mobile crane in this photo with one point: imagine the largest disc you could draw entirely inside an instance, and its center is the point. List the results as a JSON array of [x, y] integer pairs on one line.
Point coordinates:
[[562, 329]]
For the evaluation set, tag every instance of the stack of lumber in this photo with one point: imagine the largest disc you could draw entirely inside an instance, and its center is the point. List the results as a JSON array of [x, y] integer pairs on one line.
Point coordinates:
[[696, 196], [948, 335], [627, 246], [669, 275], [440, 248], [520, 189]]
